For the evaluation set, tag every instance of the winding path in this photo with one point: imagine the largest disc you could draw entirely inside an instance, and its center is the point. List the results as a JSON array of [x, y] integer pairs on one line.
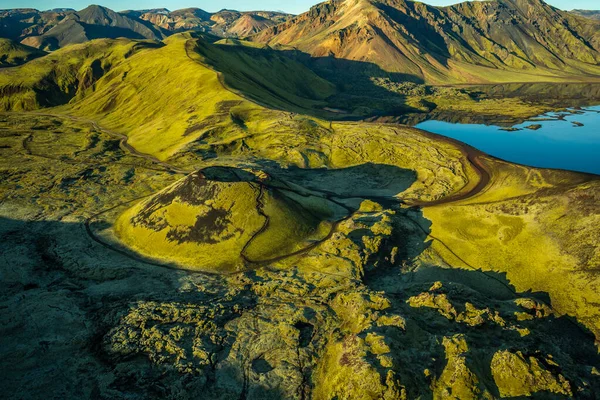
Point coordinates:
[[474, 158]]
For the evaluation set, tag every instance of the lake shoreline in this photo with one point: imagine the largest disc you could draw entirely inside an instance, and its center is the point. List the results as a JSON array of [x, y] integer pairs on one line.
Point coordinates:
[[563, 140]]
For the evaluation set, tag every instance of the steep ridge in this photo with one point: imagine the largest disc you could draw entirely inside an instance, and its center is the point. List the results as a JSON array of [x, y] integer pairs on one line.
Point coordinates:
[[503, 40], [91, 23]]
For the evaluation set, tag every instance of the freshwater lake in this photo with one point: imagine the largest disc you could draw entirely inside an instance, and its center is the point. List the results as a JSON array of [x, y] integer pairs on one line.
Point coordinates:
[[558, 143]]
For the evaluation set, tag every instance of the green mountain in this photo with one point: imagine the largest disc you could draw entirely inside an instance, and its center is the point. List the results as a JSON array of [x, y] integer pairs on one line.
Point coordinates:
[[12, 53], [492, 41]]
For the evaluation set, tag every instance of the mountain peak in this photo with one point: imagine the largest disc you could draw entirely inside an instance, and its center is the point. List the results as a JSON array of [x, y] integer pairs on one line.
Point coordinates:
[[421, 42]]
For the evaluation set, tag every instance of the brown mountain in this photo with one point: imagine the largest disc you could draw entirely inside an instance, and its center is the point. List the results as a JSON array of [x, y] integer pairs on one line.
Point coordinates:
[[19, 23], [499, 40], [249, 24], [178, 20], [225, 23], [593, 14], [90, 23]]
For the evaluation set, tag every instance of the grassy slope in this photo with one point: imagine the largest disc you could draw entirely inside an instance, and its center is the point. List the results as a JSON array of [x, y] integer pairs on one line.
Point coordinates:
[[12, 53], [62, 75], [125, 99], [265, 76], [234, 232]]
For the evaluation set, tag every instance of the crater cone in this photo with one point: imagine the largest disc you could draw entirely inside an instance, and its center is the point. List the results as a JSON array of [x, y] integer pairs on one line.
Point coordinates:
[[226, 220]]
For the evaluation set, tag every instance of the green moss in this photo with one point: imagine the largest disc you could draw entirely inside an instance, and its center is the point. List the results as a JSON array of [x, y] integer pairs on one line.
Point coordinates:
[[13, 54], [517, 375]]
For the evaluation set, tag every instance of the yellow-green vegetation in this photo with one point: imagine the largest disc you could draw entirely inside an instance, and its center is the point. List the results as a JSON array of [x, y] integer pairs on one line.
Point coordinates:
[[62, 75], [503, 103], [349, 260], [537, 226], [457, 381], [517, 375], [66, 167], [12, 54], [224, 220], [265, 76], [357, 315], [158, 117], [514, 108]]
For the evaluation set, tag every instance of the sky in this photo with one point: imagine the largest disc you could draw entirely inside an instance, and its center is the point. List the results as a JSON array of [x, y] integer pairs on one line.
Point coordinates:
[[291, 6]]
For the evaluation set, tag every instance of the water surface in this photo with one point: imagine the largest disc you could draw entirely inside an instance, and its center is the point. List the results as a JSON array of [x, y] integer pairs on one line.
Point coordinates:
[[559, 143]]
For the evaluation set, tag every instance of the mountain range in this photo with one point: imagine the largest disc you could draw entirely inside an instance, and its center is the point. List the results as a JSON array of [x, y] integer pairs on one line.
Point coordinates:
[[470, 42], [186, 215], [57, 28], [500, 40]]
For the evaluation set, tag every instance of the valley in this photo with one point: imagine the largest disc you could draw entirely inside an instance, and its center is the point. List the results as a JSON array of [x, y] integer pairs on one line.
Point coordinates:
[[253, 216]]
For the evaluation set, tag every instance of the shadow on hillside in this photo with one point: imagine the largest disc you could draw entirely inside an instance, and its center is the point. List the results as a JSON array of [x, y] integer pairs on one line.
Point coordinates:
[[54, 255], [548, 337], [364, 90], [60, 295], [368, 180], [355, 90]]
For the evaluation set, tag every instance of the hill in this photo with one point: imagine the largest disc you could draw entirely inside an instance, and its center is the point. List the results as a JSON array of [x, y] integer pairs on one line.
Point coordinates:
[[593, 14], [12, 53], [20, 23], [224, 23], [492, 41], [352, 259], [223, 219], [91, 23], [64, 74]]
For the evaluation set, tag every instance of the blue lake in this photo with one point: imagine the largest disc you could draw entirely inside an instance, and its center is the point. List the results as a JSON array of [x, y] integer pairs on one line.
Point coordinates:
[[557, 144]]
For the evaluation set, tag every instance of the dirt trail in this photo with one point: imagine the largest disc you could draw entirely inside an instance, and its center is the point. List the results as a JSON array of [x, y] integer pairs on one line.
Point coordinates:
[[474, 157]]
